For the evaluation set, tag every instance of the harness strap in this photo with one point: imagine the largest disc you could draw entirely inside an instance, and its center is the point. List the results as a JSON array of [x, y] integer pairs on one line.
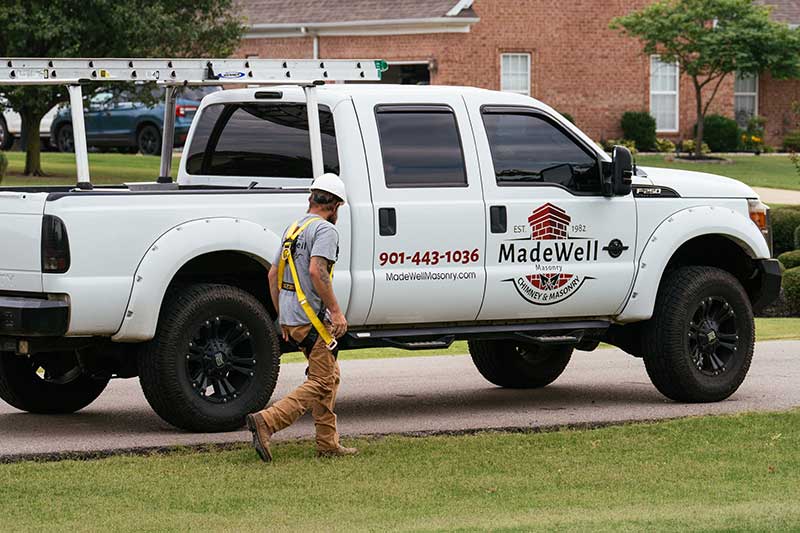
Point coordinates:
[[286, 257]]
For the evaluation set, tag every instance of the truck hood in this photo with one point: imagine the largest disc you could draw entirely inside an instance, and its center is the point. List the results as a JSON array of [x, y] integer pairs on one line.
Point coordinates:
[[691, 184]]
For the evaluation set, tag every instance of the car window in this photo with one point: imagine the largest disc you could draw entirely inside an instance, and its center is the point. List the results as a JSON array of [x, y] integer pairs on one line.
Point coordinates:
[[259, 140], [529, 148], [421, 146]]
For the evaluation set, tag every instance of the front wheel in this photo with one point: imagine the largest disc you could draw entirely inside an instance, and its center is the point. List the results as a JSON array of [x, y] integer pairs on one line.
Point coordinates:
[[699, 343], [48, 383], [519, 366], [6, 139], [149, 140], [214, 359]]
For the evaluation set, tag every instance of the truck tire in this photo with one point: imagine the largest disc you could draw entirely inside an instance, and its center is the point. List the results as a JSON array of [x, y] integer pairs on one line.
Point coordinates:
[[6, 139], [59, 387], [519, 366], [699, 343], [214, 359], [148, 140], [65, 141]]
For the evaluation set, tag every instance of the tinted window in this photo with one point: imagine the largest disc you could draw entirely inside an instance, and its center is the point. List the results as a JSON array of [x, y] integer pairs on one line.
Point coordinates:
[[259, 140], [528, 148], [421, 147]]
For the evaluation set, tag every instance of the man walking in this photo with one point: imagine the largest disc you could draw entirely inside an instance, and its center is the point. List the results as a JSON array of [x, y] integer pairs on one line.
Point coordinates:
[[310, 318]]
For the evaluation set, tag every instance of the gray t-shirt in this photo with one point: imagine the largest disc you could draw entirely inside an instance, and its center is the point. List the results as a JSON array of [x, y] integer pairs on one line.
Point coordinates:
[[319, 239]]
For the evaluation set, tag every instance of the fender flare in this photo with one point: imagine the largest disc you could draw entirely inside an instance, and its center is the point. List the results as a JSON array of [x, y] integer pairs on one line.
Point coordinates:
[[171, 251], [674, 231]]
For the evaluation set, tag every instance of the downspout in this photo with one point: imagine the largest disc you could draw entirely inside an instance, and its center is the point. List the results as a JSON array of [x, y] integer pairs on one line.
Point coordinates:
[[315, 42]]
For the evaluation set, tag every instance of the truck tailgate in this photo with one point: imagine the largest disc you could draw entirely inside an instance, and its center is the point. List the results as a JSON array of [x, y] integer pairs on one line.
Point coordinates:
[[20, 241]]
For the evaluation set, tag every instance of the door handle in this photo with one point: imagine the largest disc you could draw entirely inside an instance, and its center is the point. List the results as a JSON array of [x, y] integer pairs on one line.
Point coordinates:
[[498, 218], [387, 221]]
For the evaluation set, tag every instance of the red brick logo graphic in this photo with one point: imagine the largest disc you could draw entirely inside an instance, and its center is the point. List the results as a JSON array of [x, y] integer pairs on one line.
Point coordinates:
[[549, 282], [549, 222]]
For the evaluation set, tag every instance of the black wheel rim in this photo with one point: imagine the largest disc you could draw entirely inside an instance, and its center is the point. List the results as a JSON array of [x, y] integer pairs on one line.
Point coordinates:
[[220, 360], [2, 134], [713, 336], [56, 370], [149, 141], [65, 141], [531, 354]]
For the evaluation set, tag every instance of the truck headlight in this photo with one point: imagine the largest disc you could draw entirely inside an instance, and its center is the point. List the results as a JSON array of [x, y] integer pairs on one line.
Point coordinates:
[[759, 214]]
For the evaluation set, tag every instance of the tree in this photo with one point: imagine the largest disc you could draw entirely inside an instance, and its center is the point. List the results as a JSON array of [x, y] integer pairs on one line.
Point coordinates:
[[711, 39], [105, 28]]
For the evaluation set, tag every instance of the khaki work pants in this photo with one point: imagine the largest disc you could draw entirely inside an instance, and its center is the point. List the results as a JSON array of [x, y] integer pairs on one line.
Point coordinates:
[[318, 393]]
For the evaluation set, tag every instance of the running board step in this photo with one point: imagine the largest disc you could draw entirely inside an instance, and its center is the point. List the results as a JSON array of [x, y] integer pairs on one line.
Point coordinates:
[[556, 339], [438, 344]]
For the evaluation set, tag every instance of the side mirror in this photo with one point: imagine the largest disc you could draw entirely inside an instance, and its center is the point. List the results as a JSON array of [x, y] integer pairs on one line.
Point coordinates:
[[618, 183]]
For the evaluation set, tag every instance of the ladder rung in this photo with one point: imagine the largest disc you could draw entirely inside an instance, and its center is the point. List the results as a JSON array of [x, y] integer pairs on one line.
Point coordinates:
[[43, 71]]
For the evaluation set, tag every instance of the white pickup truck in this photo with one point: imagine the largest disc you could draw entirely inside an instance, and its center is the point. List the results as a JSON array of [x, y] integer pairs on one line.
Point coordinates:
[[472, 214]]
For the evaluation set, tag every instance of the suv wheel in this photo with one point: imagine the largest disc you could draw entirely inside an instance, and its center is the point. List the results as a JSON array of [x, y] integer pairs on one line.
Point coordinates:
[[699, 343], [215, 358], [6, 139], [519, 366], [149, 140], [65, 141], [48, 383]]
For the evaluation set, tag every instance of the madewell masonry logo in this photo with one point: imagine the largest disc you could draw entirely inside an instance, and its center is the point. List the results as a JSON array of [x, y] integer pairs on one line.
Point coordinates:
[[550, 242]]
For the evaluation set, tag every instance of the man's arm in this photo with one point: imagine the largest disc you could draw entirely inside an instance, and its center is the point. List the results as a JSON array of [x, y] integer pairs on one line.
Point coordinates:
[[274, 289], [321, 279]]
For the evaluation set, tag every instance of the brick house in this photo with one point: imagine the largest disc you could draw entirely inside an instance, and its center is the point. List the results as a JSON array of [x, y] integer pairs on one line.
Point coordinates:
[[562, 53]]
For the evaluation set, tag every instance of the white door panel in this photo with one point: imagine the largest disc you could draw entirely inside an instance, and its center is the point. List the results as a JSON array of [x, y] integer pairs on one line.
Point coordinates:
[[431, 269]]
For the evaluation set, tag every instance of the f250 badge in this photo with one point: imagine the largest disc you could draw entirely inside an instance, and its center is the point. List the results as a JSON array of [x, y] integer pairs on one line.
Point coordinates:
[[548, 284]]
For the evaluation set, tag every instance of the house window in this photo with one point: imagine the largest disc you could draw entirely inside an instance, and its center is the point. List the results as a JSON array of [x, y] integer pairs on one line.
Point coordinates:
[[664, 94], [515, 73], [745, 97]]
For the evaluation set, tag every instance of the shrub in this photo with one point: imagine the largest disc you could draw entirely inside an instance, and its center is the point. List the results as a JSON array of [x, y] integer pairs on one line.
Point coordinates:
[[790, 259], [568, 117], [640, 127], [721, 133], [665, 145], [609, 144], [3, 166], [791, 143], [753, 136], [791, 288], [688, 146], [785, 221]]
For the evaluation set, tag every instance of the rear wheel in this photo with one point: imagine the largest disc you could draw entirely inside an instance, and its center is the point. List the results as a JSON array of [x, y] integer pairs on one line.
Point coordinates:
[[519, 366], [149, 140], [6, 139], [215, 358], [699, 343], [50, 383], [65, 141]]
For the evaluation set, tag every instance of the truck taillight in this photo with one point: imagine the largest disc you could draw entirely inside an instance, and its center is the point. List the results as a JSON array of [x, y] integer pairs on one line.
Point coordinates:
[[182, 110], [759, 214], [55, 245]]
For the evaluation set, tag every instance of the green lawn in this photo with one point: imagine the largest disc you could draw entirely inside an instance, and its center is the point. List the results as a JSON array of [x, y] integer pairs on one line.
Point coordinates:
[[767, 171], [766, 329], [104, 169], [776, 172], [732, 473]]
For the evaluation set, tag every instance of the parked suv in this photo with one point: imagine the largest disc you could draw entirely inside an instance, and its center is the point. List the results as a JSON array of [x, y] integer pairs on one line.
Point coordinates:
[[122, 121], [11, 126]]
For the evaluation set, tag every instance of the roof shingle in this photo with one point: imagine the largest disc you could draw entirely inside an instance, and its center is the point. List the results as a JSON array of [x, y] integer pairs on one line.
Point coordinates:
[[322, 11], [784, 10]]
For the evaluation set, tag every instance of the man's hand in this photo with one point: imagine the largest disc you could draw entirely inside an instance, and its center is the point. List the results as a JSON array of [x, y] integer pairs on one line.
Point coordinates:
[[338, 324]]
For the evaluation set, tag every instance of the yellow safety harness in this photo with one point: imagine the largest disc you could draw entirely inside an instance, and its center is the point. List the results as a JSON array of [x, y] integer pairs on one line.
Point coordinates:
[[286, 257]]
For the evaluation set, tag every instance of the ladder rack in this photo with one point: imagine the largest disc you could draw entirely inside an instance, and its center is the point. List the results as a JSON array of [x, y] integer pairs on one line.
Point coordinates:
[[178, 72], [43, 71]]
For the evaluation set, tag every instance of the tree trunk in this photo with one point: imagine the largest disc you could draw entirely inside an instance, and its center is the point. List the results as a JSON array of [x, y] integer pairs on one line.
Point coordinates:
[[31, 140], [698, 136]]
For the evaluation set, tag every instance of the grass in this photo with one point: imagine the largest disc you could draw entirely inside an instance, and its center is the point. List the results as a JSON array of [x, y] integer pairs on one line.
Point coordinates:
[[766, 329], [106, 169], [775, 172], [767, 171], [732, 473]]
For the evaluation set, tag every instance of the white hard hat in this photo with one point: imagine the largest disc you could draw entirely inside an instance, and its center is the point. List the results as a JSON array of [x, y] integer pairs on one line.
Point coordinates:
[[330, 183]]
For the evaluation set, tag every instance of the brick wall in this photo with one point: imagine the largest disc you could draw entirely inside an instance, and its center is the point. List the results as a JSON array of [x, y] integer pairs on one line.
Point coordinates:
[[578, 65], [775, 99]]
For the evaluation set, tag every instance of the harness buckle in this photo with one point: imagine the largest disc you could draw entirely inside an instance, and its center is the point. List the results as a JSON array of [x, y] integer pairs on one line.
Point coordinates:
[[333, 344]]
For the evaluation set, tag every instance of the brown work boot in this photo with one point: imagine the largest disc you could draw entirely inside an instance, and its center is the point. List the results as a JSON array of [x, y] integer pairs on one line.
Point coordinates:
[[341, 451], [261, 435]]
